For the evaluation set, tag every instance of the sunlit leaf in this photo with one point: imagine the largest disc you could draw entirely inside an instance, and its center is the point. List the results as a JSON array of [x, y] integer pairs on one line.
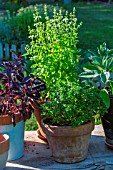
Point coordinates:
[[105, 97]]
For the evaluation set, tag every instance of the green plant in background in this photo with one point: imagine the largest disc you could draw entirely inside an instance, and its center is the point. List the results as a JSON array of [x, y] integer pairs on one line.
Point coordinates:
[[101, 17], [12, 7], [19, 24], [14, 28], [31, 124], [53, 48], [99, 72]]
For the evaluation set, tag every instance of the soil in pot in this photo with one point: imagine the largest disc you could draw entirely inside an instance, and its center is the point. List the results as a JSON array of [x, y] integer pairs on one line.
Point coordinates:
[[68, 145], [4, 147]]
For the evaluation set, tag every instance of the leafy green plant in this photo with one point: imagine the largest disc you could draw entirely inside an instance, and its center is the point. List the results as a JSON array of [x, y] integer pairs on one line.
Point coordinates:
[[73, 105], [99, 72], [53, 48], [12, 7], [14, 28], [31, 124]]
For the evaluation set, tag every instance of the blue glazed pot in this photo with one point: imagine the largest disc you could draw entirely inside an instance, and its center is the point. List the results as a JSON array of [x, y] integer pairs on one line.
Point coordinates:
[[16, 134]]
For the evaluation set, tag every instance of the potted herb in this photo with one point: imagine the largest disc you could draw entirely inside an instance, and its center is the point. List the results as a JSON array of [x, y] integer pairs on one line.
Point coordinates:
[[68, 114], [99, 73], [16, 92]]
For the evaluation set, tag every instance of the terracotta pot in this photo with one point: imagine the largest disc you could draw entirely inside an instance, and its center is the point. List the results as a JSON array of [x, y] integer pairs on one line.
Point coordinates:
[[4, 147], [37, 113], [16, 134], [68, 145], [7, 120]]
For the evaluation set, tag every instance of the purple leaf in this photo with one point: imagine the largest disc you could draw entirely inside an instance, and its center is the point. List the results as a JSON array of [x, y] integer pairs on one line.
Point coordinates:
[[8, 71], [17, 86], [26, 80]]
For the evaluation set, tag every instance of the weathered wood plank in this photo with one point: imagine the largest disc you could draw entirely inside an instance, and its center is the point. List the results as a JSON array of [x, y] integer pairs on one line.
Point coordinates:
[[7, 51], [22, 48], [14, 48], [1, 51]]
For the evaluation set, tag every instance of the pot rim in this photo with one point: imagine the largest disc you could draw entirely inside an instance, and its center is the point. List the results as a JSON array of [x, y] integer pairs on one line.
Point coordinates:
[[4, 144], [7, 119], [67, 125], [5, 137], [67, 130]]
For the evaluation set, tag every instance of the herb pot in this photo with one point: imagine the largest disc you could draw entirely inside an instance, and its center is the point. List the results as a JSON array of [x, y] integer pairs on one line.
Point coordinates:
[[4, 147], [37, 113], [68, 144], [107, 122], [41, 134], [16, 134]]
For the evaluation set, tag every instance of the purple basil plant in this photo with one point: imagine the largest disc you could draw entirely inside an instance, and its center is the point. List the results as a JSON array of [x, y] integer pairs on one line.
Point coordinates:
[[17, 89]]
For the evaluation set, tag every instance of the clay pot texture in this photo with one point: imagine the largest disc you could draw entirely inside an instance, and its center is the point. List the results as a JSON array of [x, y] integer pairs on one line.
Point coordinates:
[[7, 120], [37, 113], [4, 147], [16, 134], [68, 144]]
